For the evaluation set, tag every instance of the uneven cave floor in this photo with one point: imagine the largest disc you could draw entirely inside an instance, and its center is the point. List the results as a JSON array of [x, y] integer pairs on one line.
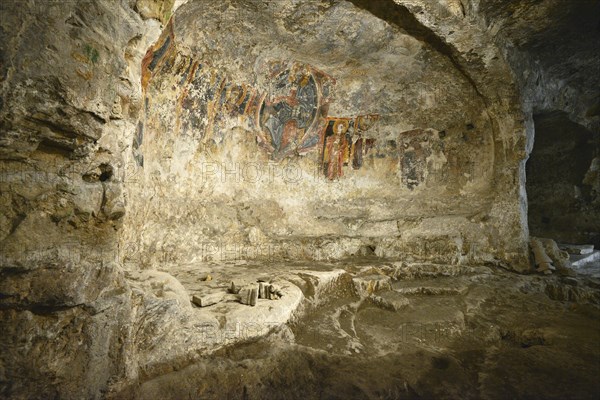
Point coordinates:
[[372, 329]]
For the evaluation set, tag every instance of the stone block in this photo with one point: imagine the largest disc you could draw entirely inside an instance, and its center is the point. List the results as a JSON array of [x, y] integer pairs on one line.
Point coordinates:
[[207, 300], [249, 295]]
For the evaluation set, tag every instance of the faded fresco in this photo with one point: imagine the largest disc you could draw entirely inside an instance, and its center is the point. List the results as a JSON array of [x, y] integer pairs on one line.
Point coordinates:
[[344, 143], [208, 99], [155, 57], [159, 56], [288, 116], [414, 150], [293, 110]]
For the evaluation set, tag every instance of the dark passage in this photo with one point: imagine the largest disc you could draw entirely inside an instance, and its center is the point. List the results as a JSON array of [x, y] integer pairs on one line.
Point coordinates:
[[562, 186]]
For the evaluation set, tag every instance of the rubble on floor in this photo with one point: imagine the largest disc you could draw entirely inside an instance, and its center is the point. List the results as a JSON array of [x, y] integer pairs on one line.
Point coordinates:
[[548, 257], [584, 259], [577, 248], [453, 325]]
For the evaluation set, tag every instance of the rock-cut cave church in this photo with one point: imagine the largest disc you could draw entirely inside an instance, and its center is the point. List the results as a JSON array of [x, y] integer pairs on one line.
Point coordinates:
[[299, 199]]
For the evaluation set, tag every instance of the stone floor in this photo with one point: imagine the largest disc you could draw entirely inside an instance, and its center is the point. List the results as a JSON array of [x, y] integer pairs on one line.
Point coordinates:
[[386, 330]]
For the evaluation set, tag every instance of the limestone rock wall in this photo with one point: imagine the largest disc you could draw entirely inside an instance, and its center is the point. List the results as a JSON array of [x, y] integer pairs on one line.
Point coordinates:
[[70, 96], [552, 49], [317, 131], [138, 135], [553, 53]]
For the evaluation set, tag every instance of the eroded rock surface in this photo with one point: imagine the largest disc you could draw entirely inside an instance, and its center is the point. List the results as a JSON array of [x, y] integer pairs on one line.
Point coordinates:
[[316, 138], [148, 144], [433, 331]]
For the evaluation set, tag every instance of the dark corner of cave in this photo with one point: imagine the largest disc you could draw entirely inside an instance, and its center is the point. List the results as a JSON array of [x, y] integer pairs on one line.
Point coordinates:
[[299, 199]]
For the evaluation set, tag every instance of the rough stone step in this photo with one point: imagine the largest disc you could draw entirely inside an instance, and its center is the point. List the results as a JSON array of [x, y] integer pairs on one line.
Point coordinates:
[[433, 287], [390, 300], [430, 290], [587, 264], [577, 248], [366, 285], [578, 261]]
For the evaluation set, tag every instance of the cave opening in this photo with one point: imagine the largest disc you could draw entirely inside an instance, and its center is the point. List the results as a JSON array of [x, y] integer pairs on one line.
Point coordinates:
[[562, 181]]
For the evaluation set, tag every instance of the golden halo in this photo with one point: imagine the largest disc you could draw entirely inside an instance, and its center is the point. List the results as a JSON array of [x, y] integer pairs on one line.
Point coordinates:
[[341, 122]]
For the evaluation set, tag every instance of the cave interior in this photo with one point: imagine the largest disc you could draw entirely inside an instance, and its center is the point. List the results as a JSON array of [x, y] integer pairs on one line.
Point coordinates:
[[328, 199]]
